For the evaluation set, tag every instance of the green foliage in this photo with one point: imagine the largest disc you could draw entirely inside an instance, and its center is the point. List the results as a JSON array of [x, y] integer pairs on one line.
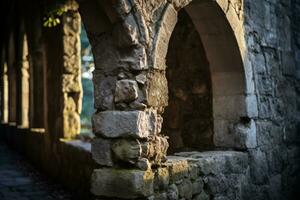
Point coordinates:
[[55, 10]]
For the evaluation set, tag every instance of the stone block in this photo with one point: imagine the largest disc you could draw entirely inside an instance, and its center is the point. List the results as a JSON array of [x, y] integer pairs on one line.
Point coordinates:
[[258, 166], [122, 183], [193, 171], [126, 33], [185, 189], [101, 151], [178, 4], [172, 192], [104, 91], [157, 89], [162, 179], [134, 58], [178, 168], [218, 162], [202, 196], [126, 91], [168, 23], [230, 107], [197, 186], [141, 78], [71, 123], [235, 134], [127, 150], [159, 196], [288, 63], [71, 83], [155, 149], [244, 134], [251, 106], [116, 124]]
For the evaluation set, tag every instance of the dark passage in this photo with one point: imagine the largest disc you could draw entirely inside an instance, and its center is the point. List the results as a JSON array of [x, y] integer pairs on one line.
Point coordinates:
[[188, 117], [20, 181]]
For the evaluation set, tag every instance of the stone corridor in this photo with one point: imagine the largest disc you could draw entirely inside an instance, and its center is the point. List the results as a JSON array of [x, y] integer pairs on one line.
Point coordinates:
[[20, 181]]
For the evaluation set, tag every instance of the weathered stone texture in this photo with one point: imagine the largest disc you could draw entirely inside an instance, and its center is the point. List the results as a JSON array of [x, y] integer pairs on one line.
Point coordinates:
[[71, 88], [122, 183], [114, 124], [188, 178], [272, 40]]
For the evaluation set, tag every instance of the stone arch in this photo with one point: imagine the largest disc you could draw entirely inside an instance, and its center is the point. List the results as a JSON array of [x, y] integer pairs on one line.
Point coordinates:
[[234, 106], [147, 27], [131, 89]]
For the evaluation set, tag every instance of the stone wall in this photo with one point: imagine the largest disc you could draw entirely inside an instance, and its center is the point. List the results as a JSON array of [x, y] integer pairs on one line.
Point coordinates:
[[272, 54], [189, 175]]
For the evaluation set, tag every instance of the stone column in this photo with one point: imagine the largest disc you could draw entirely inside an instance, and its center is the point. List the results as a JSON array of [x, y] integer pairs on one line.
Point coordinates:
[[12, 82], [37, 67], [4, 88], [64, 74], [71, 74], [130, 95], [23, 84]]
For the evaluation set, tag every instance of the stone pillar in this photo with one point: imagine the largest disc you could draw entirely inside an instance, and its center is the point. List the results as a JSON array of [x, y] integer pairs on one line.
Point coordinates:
[[23, 84], [12, 82], [64, 74], [4, 89], [71, 74], [37, 67], [130, 95]]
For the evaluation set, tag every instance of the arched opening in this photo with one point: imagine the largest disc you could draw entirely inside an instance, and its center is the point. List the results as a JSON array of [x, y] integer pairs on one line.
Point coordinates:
[[188, 118], [208, 104]]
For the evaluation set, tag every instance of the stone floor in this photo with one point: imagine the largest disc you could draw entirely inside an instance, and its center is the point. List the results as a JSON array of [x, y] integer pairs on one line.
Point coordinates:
[[20, 181]]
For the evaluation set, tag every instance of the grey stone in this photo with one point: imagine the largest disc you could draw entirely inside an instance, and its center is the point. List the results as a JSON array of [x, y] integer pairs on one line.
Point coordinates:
[[245, 134], [113, 124], [161, 196], [173, 192], [143, 164], [101, 151], [202, 196], [127, 150], [185, 189], [122, 183], [217, 184], [193, 171], [220, 162], [135, 58], [141, 78], [258, 166], [126, 91], [197, 186], [275, 187], [126, 33], [136, 105], [103, 91]]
